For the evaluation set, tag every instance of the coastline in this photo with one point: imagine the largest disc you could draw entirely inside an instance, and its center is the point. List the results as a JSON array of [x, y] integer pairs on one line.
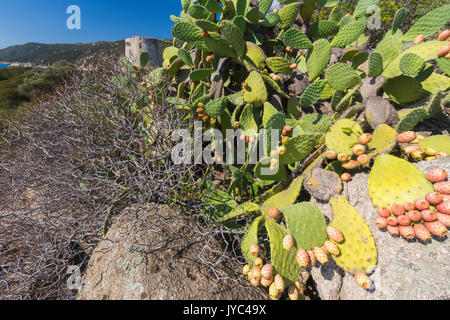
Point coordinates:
[[25, 65]]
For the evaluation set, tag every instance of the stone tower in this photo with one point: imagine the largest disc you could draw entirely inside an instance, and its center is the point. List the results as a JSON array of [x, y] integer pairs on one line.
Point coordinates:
[[136, 45]]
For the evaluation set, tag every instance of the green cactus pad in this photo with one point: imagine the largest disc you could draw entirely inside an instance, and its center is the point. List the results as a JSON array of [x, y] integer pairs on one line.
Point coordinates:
[[306, 223], [297, 39], [293, 109], [279, 65], [359, 59], [241, 6], [348, 34], [248, 208], [269, 111], [396, 181], [318, 59], [185, 4], [218, 45], [341, 76], [248, 120], [284, 198], [440, 143], [403, 89], [201, 74], [411, 119], [327, 92], [336, 14], [343, 136], [307, 10], [256, 55], [363, 6], [213, 6], [398, 20], [390, 47], [315, 123], [328, 3], [273, 85], [434, 107], [284, 262], [411, 64], [312, 94], [256, 92], [207, 25], [235, 37], [375, 64], [216, 107], [444, 65], [346, 20], [436, 82], [288, 14], [323, 29], [275, 122], [271, 20], [185, 56], [358, 251], [384, 140], [251, 237], [198, 12], [429, 24], [264, 6], [299, 147]]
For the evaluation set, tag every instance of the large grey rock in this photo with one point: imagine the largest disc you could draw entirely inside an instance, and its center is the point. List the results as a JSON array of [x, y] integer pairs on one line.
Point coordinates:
[[154, 253], [379, 111], [406, 269]]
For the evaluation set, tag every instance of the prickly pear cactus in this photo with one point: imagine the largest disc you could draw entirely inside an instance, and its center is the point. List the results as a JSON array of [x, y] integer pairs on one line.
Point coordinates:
[[306, 223], [284, 198], [358, 250], [396, 181], [439, 143], [411, 119], [251, 237], [299, 147], [429, 24], [343, 136], [255, 93], [383, 140]]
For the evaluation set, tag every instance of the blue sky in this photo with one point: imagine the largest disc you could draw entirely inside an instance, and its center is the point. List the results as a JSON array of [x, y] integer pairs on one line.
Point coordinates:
[[44, 21]]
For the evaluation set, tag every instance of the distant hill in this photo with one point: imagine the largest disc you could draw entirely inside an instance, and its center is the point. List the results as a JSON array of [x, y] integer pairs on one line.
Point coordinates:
[[78, 54]]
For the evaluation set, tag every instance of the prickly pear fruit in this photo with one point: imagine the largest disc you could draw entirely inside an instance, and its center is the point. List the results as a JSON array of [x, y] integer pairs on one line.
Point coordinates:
[[267, 271], [414, 216], [428, 215], [421, 204], [287, 129], [393, 230], [363, 159], [363, 280], [274, 213], [443, 187], [350, 165], [321, 255], [342, 157], [312, 257], [346, 177], [335, 234], [406, 232], [254, 249], [446, 198], [359, 149], [404, 221], [419, 39], [288, 242], [381, 222], [256, 272], [444, 35], [331, 155], [331, 248], [434, 198], [273, 290], [443, 218], [392, 221], [246, 270], [209, 59], [398, 210], [293, 66], [293, 292], [408, 206], [411, 149], [384, 212], [436, 228], [279, 282], [436, 175], [303, 258], [444, 51], [365, 139], [444, 207], [421, 232], [266, 282], [259, 262], [406, 137], [285, 140], [255, 281], [281, 150]]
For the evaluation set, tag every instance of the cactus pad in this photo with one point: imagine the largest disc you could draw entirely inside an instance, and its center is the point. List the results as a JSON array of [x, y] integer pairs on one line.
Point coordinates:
[[248, 120], [187, 32], [358, 251], [436, 82], [411, 64], [216, 107], [256, 55], [440, 143], [318, 59], [288, 14], [375, 64], [207, 25], [411, 119], [315, 123], [390, 47], [269, 174], [434, 107], [429, 24], [343, 135], [251, 237], [284, 262], [299, 147], [396, 181], [297, 39], [341, 76], [245, 208], [324, 29], [279, 65], [398, 20], [384, 140], [312, 94], [348, 34], [264, 6], [201, 74], [185, 56], [215, 43], [284, 198], [306, 223], [235, 37], [403, 89], [256, 92], [363, 6], [444, 65]]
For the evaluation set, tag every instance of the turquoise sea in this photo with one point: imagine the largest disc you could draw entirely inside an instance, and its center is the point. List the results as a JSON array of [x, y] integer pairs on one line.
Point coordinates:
[[2, 66]]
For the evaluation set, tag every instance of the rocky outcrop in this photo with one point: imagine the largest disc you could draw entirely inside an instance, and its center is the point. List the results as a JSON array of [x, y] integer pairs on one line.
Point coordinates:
[[155, 253]]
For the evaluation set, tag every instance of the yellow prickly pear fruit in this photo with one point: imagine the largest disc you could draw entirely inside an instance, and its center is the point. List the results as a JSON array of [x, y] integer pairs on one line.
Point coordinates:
[[266, 282], [331, 248], [331, 155], [274, 293], [254, 249], [259, 262], [267, 271], [363, 280], [279, 282], [246, 270], [342, 157], [282, 150], [359, 149], [321, 255]]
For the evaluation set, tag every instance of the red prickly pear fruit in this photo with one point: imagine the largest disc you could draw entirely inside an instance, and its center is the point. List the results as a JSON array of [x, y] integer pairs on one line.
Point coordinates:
[[363, 280], [446, 198], [288, 49], [442, 187], [274, 213], [267, 271], [398, 210], [437, 175], [409, 206], [293, 66], [321, 255], [359, 149], [303, 258], [393, 230], [365, 138], [434, 198], [288, 242], [287, 128], [411, 149], [419, 39], [331, 155], [428, 215], [392, 221], [406, 137], [312, 257], [444, 51], [209, 59], [444, 35], [245, 85], [436, 228], [443, 218], [422, 232], [444, 207], [421, 204], [346, 177], [381, 222], [254, 249], [205, 34], [406, 232], [414, 216], [384, 212], [404, 221], [335, 234]]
